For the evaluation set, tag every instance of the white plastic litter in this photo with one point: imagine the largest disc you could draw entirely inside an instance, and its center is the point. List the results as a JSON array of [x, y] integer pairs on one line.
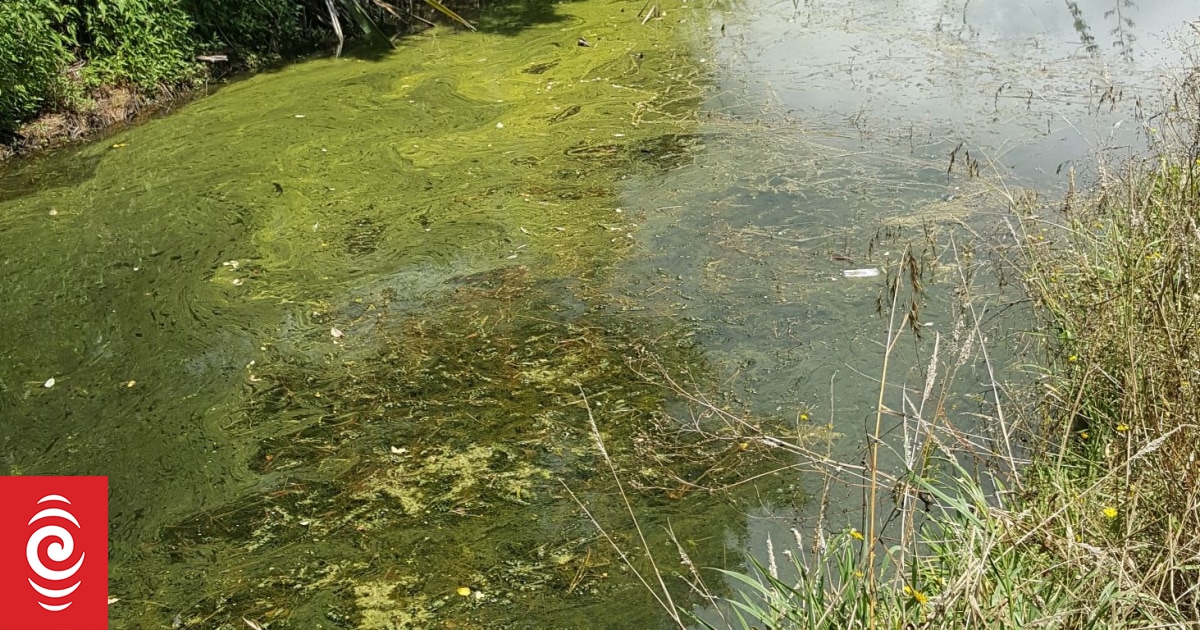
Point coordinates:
[[860, 273]]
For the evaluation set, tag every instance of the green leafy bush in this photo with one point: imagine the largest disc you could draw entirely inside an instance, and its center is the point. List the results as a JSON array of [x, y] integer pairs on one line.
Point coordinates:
[[35, 36], [264, 29], [142, 43]]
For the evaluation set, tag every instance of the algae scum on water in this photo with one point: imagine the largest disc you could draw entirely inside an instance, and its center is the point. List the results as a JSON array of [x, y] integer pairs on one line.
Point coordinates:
[[329, 332], [424, 475]]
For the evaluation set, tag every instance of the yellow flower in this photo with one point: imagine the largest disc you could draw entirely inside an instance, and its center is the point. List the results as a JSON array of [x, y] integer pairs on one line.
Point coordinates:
[[1110, 512], [915, 594], [804, 417], [1072, 359], [464, 591], [1083, 435], [855, 534], [1122, 427]]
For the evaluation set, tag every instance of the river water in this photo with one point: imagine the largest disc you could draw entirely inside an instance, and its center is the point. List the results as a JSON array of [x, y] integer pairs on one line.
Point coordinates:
[[339, 334]]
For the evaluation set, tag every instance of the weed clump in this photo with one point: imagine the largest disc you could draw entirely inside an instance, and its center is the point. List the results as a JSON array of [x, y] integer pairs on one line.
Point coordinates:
[[1121, 295]]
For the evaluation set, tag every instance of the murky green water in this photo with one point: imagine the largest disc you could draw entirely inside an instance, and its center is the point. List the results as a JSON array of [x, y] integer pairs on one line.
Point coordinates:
[[329, 331]]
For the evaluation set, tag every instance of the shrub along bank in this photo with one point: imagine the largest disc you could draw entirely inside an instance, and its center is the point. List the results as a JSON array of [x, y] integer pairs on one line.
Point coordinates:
[[97, 61]]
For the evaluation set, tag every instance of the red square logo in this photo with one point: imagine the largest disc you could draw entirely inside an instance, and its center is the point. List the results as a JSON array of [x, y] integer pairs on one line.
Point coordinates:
[[54, 553]]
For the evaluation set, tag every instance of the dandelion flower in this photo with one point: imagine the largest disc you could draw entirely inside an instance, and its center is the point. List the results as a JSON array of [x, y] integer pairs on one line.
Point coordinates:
[[1110, 512], [464, 591], [1122, 427], [855, 534], [1072, 358], [1083, 435], [915, 594]]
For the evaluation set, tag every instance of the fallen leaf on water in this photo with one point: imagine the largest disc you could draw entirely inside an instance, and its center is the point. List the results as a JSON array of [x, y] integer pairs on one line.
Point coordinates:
[[336, 333], [49, 383]]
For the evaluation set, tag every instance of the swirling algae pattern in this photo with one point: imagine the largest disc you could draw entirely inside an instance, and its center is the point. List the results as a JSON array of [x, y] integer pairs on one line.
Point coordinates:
[[147, 271]]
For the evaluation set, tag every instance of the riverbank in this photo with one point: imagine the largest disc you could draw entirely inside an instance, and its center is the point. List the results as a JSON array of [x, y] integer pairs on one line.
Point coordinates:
[[70, 71]]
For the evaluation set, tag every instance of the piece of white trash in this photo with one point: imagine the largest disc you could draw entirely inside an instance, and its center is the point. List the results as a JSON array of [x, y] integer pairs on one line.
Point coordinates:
[[49, 383], [860, 273]]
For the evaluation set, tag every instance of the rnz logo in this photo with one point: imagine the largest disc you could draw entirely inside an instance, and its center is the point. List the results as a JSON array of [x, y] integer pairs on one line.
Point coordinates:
[[55, 585], [54, 553]]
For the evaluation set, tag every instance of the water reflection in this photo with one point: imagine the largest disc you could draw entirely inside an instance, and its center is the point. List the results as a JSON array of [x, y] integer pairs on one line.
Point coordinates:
[[829, 147], [1023, 85]]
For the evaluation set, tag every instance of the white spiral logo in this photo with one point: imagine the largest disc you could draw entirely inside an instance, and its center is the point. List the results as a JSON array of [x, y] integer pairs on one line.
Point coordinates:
[[59, 550]]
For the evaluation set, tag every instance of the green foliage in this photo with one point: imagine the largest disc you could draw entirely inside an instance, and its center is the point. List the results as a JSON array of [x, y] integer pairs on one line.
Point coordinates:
[[34, 48], [143, 43], [263, 29]]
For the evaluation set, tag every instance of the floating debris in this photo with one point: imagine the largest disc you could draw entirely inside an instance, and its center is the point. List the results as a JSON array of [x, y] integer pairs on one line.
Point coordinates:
[[860, 273]]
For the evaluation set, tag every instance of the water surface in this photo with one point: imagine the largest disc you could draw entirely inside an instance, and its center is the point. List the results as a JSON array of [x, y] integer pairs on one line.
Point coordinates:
[[338, 334]]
